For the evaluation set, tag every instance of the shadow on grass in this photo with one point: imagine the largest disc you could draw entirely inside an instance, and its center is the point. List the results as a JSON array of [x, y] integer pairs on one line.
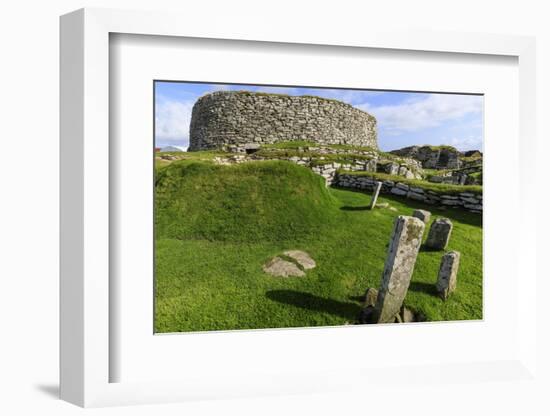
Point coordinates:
[[422, 287], [315, 303], [454, 214], [346, 208], [359, 299], [424, 248]]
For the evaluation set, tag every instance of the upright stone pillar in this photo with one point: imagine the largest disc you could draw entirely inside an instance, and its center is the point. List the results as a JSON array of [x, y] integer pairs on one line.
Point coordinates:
[[375, 193], [422, 215], [398, 269], [448, 269], [440, 233]]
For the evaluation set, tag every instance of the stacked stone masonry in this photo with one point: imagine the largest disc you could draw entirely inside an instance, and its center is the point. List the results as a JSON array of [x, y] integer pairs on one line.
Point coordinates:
[[466, 200], [432, 157], [227, 118]]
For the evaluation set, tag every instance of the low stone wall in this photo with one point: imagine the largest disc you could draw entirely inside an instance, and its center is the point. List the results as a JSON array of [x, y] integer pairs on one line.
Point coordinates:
[[466, 200], [329, 171]]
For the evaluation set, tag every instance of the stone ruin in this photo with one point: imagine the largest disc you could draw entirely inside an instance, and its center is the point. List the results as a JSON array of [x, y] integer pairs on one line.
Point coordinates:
[[245, 118], [432, 157]]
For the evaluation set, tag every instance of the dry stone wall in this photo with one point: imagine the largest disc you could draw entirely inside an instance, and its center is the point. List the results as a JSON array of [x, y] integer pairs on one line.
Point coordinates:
[[227, 118], [467, 200]]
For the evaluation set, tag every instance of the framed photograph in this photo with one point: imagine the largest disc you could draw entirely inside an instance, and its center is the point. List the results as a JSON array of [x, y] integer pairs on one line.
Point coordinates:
[[278, 214]]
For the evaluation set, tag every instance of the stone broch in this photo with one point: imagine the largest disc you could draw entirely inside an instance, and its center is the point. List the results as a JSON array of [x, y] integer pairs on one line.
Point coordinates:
[[448, 270], [225, 118], [440, 233], [398, 269]]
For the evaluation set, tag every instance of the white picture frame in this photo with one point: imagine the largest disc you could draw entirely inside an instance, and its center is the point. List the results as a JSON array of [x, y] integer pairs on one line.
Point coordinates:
[[85, 352]]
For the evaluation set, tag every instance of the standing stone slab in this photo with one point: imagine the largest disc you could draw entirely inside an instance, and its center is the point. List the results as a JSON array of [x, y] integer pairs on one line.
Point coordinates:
[[422, 215], [377, 187], [398, 269], [448, 269], [440, 233], [370, 297]]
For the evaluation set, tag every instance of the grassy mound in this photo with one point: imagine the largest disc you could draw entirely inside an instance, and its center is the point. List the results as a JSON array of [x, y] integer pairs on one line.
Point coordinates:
[[252, 202], [217, 226]]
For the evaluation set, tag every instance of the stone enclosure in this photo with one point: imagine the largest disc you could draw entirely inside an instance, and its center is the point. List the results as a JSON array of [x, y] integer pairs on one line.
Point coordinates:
[[226, 118], [470, 201], [337, 142]]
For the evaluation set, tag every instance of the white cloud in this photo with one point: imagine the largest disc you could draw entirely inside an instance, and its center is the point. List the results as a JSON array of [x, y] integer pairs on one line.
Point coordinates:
[[428, 112], [172, 120], [466, 143]]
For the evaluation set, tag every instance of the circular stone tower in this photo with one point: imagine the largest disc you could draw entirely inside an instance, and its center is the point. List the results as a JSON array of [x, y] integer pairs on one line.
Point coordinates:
[[227, 118]]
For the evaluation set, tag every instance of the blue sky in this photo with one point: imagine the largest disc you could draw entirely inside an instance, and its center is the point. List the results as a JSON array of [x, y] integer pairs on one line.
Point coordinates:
[[404, 118]]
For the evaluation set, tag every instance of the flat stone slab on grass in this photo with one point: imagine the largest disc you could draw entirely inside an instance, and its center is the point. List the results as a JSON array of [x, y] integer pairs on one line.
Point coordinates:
[[291, 263], [301, 258], [282, 268]]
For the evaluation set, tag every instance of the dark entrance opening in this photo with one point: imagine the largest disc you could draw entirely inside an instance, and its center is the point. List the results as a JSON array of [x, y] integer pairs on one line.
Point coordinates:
[[443, 160]]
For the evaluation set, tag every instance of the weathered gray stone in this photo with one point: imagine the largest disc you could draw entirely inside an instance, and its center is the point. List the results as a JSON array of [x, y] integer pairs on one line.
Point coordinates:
[[406, 315], [415, 196], [473, 207], [375, 193], [432, 157], [440, 233], [302, 258], [403, 250], [451, 202], [282, 268], [448, 270], [422, 215], [469, 200], [398, 191], [370, 297], [391, 168]]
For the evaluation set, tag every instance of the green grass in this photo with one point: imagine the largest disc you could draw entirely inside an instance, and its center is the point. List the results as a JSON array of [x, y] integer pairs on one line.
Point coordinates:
[[475, 158], [441, 147], [217, 225], [440, 188]]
